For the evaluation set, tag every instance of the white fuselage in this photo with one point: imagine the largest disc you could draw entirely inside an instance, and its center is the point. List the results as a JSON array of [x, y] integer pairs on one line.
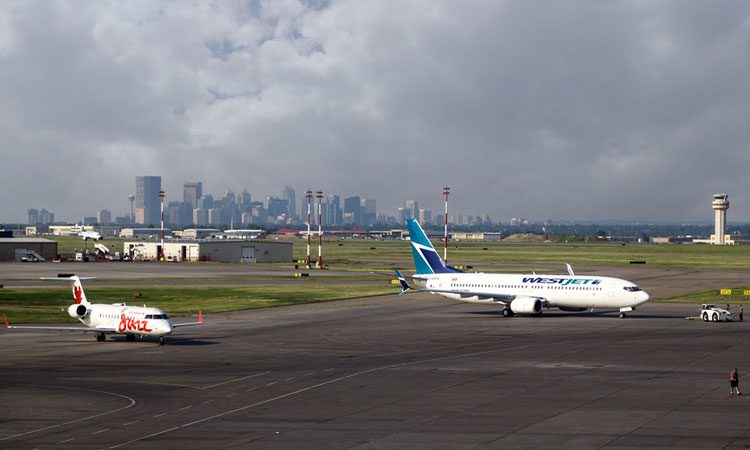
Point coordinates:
[[127, 319], [562, 291]]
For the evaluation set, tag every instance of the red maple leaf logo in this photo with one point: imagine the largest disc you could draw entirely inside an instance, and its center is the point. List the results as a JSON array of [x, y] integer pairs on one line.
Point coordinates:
[[78, 293]]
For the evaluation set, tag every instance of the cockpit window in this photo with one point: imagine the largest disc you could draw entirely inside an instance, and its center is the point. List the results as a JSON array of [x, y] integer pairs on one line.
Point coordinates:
[[632, 288], [157, 316]]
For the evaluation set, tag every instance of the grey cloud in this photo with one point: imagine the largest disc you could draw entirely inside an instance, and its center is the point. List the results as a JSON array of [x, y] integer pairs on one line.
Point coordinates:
[[616, 110]]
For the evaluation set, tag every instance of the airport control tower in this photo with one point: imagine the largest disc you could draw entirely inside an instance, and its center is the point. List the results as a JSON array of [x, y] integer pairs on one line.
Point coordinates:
[[720, 206]]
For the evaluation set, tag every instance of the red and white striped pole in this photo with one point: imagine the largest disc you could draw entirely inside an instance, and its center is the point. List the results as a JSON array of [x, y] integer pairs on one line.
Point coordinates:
[[308, 195], [161, 248], [446, 191], [320, 229]]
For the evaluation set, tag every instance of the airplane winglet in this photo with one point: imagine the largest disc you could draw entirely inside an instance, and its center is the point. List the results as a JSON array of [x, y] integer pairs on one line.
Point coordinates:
[[404, 285], [570, 270], [6, 321], [200, 316]]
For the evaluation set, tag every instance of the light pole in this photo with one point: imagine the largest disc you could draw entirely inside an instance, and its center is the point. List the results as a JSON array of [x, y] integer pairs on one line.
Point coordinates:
[[320, 229], [161, 247], [308, 195], [446, 192]]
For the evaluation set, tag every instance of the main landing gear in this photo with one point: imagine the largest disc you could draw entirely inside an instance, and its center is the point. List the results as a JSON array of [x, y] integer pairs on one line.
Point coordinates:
[[622, 315], [507, 312], [100, 337], [162, 340]]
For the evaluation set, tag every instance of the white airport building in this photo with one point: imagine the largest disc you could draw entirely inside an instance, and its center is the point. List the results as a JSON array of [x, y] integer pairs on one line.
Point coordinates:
[[210, 250]]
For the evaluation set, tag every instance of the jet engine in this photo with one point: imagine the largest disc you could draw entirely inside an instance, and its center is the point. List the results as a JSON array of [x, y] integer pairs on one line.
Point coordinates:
[[526, 305], [78, 311]]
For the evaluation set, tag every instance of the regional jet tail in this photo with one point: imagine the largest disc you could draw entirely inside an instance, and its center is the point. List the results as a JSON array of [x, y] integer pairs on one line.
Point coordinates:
[[117, 318], [523, 294]]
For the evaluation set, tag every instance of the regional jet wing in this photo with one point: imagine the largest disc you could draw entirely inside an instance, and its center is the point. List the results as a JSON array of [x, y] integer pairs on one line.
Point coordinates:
[[190, 324], [80, 329]]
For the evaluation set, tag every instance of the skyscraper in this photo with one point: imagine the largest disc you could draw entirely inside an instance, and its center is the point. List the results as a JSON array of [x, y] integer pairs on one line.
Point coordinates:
[[412, 209], [353, 210], [369, 211], [147, 199], [334, 215], [191, 192], [103, 217], [33, 216], [291, 198]]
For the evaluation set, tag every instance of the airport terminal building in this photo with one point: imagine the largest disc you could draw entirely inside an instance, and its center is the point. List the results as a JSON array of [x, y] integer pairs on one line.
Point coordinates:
[[211, 250]]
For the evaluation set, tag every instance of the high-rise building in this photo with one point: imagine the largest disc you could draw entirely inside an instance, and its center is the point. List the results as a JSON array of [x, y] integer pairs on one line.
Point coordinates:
[[229, 197], [103, 217], [214, 216], [172, 213], [46, 217], [276, 207], [352, 210], [200, 217], [290, 195], [33, 216], [147, 198], [244, 201], [205, 202], [191, 192], [369, 211], [425, 216], [334, 216], [411, 208]]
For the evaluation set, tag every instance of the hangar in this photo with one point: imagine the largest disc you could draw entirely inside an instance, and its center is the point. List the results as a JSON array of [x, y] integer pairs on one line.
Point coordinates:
[[14, 249], [211, 250]]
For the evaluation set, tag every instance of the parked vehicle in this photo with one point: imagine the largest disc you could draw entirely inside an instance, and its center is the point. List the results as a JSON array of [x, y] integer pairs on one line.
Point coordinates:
[[713, 313]]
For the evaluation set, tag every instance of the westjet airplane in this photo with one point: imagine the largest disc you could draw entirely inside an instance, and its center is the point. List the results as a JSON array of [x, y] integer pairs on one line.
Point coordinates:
[[117, 318], [522, 294]]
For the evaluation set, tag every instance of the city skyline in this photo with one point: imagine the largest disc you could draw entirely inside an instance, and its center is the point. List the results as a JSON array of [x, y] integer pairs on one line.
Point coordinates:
[[341, 215], [638, 115], [229, 208]]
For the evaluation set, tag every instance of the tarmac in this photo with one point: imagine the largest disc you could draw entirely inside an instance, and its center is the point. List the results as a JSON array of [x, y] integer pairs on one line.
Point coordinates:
[[416, 371]]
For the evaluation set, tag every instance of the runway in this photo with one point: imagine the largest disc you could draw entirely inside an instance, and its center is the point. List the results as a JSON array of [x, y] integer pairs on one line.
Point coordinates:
[[416, 371]]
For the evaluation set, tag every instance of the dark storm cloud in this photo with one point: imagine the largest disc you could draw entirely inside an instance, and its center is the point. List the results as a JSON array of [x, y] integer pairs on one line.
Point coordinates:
[[616, 110]]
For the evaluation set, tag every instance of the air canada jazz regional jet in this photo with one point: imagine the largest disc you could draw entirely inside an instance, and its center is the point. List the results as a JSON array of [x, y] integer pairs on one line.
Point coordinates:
[[523, 294], [117, 318]]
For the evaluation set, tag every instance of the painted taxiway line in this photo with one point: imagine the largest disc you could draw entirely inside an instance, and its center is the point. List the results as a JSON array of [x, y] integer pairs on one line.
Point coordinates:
[[132, 402]]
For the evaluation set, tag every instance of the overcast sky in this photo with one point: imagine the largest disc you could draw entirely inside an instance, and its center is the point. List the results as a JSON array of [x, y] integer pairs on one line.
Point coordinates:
[[629, 110]]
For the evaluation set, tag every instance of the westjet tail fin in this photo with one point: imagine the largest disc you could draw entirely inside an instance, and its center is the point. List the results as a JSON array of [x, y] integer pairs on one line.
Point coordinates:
[[426, 259]]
